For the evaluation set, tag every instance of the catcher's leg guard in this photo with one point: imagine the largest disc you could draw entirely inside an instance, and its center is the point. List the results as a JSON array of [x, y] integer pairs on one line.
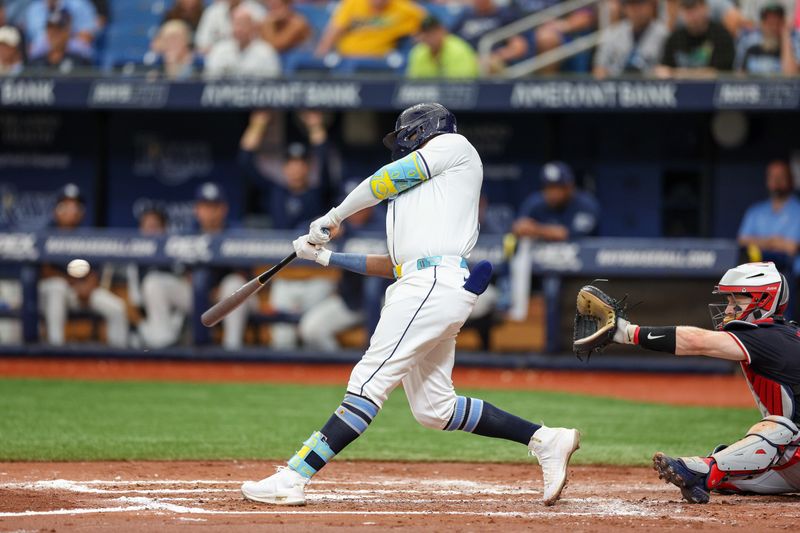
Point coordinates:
[[743, 466], [764, 446], [775, 481]]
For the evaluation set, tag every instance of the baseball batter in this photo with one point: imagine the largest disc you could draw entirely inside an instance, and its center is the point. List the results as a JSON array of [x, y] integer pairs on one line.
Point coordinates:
[[432, 188], [750, 329]]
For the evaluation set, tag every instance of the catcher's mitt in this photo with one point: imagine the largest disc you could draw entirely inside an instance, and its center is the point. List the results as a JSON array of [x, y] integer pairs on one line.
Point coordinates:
[[595, 321]]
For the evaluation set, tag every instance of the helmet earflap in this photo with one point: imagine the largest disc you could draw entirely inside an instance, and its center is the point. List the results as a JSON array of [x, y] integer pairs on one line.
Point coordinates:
[[783, 296]]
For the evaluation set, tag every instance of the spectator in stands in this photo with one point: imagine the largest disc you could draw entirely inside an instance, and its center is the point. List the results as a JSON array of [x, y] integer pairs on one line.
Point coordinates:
[[357, 298], [773, 49], [370, 28], [6, 20], [244, 54], [60, 51], [771, 228], [440, 54], [633, 45], [725, 12], [10, 52], [751, 10], [216, 24], [60, 292], [699, 49], [284, 28], [294, 200], [560, 31], [189, 11], [559, 212], [173, 46], [82, 15], [487, 16]]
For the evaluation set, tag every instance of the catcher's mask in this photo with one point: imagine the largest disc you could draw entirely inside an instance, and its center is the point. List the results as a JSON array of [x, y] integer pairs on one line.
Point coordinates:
[[416, 125], [757, 291]]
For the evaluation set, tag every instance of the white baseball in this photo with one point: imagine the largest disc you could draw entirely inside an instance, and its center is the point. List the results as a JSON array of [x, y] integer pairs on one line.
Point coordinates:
[[78, 268]]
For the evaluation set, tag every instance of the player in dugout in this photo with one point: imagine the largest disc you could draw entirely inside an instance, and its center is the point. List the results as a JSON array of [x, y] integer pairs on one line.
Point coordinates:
[[750, 329], [60, 292]]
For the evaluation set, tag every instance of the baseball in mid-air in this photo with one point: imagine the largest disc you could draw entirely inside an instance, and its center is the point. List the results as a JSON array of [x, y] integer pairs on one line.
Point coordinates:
[[78, 268]]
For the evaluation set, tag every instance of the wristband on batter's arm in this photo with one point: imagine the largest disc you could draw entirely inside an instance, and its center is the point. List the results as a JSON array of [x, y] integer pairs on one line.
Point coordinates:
[[660, 339], [353, 262]]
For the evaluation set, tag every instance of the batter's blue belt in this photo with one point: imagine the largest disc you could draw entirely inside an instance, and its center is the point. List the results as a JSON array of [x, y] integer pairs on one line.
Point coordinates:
[[427, 262]]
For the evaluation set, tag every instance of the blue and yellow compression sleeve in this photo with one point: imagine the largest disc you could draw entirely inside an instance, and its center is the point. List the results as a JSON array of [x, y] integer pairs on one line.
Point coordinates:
[[399, 176]]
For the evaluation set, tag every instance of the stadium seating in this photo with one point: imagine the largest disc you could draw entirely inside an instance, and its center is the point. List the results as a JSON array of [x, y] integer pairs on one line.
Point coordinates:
[[128, 38]]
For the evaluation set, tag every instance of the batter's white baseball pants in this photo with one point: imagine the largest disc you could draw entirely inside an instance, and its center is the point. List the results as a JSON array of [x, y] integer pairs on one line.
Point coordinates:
[[414, 343]]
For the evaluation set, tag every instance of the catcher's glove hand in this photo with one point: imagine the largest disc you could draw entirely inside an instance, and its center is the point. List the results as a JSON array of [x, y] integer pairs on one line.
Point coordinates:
[[595, 321]]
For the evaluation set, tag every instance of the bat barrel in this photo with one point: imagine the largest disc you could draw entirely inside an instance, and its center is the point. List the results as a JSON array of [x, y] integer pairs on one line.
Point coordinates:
[[221, 309]]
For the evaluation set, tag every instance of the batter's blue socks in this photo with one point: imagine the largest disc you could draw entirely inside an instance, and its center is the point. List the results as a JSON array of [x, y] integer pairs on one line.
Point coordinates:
[[355, 414], [467, 413], [349, 421], [483, 418]]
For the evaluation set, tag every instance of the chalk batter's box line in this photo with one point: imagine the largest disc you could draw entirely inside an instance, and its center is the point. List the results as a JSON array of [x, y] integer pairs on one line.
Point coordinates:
[[606, 507]]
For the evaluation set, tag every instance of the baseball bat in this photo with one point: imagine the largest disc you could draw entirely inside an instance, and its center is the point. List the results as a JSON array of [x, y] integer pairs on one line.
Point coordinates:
[[221, 309]]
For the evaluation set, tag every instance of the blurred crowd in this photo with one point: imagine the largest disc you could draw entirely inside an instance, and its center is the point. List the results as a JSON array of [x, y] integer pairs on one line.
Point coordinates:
[[272, 38]]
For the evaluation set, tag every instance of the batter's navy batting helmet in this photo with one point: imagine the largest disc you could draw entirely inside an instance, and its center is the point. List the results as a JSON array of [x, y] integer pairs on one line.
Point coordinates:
[[416, 125]]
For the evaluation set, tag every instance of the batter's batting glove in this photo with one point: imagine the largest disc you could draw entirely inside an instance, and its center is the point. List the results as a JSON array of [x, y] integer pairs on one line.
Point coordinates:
[[320, 230], [312, 252]]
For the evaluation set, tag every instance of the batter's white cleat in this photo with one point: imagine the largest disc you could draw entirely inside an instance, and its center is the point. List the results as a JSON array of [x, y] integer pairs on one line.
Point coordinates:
[[284, 487], [554, 448]]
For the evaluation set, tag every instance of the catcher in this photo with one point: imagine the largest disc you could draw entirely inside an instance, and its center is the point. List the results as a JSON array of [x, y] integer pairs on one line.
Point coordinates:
[[749, 329]]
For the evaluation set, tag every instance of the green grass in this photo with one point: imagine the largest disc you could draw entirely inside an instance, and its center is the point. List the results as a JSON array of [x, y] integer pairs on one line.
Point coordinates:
[[81, 420]]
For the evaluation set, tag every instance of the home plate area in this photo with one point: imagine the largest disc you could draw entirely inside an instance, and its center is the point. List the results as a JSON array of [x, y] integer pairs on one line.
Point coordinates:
[[130, 496]]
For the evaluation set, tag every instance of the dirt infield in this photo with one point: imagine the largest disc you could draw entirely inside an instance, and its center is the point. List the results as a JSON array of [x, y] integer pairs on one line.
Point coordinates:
[[683, 389], [192, 496], [189, 496]]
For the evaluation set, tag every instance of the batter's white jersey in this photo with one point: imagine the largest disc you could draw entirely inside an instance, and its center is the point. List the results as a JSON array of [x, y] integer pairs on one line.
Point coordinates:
[[434, 212], [439, 216]]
